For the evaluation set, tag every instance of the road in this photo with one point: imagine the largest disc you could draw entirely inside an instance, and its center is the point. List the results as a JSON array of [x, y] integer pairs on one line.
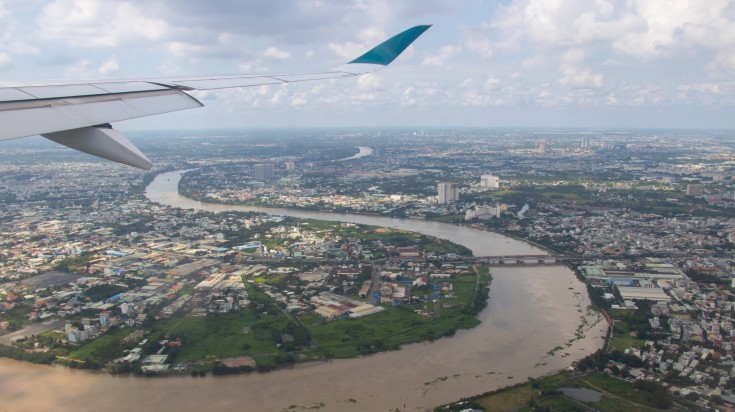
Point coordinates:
[[375, 285], [30, 330]]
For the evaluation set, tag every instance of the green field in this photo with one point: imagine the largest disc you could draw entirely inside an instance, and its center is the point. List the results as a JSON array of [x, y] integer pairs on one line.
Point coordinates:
[[625, 320], [245, 333], [623, 342], [105, 348], [508, 400], [384, 331]]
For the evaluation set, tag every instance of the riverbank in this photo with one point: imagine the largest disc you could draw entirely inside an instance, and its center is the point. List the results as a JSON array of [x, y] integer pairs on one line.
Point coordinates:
[[531, 311]]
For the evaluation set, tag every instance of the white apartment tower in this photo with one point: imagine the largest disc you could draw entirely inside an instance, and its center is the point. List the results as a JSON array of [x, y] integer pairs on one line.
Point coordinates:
[[489, 182], [448, 192]]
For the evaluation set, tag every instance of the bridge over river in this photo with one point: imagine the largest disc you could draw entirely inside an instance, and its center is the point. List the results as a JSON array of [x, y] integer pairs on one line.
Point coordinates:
[[517, 260]]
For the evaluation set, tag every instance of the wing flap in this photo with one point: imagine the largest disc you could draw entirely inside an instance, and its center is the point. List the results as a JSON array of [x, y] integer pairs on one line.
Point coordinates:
[[129, 87], [10, 94], [53, 92], [46, 116], [102, 141]]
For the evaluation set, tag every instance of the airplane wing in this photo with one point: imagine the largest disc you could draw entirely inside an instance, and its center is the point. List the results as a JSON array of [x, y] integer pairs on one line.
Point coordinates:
[[78, 115]]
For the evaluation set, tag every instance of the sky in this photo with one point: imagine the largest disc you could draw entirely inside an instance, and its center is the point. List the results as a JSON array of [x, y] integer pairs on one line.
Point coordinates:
[[508, 63]]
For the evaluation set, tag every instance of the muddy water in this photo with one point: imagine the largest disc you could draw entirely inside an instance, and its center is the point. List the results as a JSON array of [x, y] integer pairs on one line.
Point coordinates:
[[531, 311]]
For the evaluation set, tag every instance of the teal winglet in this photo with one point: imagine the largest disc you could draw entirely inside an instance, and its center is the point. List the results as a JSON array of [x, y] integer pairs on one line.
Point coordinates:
[[387, 51]]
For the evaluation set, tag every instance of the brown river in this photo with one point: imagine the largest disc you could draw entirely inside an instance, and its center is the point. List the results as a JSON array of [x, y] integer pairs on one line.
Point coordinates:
[[532, 311]]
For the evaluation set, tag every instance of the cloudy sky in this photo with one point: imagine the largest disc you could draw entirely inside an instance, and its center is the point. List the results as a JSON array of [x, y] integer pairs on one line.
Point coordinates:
[[536, 63]]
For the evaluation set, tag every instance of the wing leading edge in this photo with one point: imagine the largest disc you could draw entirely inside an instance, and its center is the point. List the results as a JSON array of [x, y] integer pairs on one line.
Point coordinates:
[[77, 115]]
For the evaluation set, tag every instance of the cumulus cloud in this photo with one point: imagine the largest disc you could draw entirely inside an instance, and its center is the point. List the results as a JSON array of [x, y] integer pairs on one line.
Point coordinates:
[[252, 66], [279, 94], [299, 100], [275, 53], [491, 84], [607, 52], [109, 66], [369, 81], [580, 77], [644, 28], [82, 69], [479, 45], [444, 53], [191, 28], [669, 26], [94, 23], [5, 60]]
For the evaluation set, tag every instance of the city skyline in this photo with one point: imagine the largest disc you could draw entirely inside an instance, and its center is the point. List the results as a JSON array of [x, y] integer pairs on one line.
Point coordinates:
[[488, 64]]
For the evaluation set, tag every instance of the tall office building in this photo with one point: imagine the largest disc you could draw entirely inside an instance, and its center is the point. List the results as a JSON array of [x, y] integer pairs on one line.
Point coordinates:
[[263, 171], [290, 166], [585, 142], [448, 192], [542, 147], [489, 182]]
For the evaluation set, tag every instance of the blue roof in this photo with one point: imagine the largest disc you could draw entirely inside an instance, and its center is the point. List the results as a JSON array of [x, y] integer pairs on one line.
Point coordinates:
[[115, 298]]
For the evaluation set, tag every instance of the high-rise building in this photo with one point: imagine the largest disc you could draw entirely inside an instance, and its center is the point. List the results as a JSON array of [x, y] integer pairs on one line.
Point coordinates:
[[542, 147], [694, 190], [448, 192], [489, 182], [263, 171], [290, 166], [585, 142]]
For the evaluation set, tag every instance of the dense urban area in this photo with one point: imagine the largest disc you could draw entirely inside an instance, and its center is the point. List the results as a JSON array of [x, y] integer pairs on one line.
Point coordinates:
[[95, 275]]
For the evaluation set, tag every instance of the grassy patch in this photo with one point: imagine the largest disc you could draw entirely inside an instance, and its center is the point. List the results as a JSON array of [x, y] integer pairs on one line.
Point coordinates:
[[507, 400], [450, 218], [608, 404], [627, 321], [623, 342], [560, 404], [105, 348], [211, 337], [384, 331]]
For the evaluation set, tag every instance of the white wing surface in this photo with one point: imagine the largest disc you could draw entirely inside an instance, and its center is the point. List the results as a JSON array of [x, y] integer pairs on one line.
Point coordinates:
[[78, 115]]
